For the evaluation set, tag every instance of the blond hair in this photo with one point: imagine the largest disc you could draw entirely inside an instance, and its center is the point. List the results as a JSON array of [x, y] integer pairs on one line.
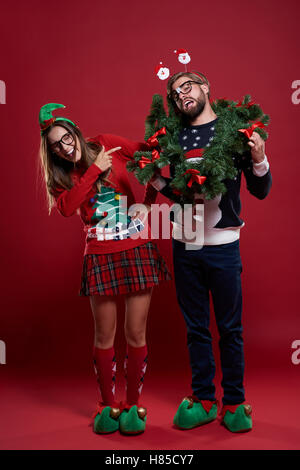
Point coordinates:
[[196, 76]]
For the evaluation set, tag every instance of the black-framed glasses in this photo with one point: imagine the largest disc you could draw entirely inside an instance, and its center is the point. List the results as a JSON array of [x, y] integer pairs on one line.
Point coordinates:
[[184, 88], [66, 139]]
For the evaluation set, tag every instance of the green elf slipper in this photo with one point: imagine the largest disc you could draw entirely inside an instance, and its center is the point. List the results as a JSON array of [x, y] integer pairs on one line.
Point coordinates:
[[237, 418], [106, 419], [193, 412], [133, 419]]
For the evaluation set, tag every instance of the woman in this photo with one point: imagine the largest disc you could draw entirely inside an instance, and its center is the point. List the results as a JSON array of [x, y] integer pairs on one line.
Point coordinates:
[[90, 177]]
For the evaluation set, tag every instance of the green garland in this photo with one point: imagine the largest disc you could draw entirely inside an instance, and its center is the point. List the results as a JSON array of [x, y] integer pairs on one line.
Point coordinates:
[[217, 164]]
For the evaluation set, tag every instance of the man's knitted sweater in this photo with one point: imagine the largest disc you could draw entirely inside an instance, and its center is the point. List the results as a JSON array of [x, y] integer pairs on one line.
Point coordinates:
[[222, 220]]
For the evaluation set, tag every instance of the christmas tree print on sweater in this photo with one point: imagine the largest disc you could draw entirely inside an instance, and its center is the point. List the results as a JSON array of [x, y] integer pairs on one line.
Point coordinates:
[[112, 221]]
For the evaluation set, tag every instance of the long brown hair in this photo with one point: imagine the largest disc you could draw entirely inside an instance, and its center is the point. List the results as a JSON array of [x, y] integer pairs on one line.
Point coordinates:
[[56, 170]]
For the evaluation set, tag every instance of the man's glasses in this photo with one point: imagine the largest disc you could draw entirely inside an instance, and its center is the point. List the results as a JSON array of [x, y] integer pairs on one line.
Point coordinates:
[[184, 88], [66, 139]]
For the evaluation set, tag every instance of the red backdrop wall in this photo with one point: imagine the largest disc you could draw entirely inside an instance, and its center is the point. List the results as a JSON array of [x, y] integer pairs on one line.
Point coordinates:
[[98, 59]]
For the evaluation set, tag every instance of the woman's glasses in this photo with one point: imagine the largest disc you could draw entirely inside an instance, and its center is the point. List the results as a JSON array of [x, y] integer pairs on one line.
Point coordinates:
[[66, 139]]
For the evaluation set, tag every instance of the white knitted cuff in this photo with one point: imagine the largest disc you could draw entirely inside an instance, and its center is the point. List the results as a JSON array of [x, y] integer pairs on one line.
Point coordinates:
[[260, 169]]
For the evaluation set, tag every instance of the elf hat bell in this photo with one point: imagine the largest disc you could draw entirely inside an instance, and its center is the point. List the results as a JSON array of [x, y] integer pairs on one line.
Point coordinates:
[[46, 119]]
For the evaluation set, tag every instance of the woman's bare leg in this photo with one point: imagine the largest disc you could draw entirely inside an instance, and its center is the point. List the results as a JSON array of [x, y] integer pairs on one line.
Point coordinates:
[[136, 314], [104, 310]]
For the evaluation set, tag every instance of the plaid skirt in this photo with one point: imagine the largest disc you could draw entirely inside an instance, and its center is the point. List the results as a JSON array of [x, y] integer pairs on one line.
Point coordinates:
[[123, 272]]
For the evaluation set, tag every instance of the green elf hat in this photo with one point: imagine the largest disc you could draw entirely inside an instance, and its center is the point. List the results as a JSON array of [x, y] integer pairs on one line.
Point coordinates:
[[46, 119]]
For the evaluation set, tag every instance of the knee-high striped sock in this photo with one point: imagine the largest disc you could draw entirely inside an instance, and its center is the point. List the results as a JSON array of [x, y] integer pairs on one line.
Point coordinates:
[[105, 368], [135, 367]]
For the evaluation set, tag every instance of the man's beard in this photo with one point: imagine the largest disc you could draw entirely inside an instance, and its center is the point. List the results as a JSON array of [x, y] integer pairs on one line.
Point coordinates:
[[195, 111]]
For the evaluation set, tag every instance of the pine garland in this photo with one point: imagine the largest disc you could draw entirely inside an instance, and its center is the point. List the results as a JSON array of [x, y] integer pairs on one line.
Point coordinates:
[[217, 163]]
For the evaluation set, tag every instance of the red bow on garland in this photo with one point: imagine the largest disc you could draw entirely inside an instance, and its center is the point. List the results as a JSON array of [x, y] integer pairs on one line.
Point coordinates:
[[145, 161], [195, 177], [240, 104], [153, 141], [248, 132]]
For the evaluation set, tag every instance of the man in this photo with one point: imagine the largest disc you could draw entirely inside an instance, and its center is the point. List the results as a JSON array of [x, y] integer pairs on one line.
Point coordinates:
[[215, 267]]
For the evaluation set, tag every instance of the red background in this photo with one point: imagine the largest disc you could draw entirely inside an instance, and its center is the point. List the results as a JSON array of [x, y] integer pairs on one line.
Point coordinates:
[[98, 59]]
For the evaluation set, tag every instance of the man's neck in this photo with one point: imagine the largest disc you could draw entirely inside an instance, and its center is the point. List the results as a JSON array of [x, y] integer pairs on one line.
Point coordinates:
[[206, 116]]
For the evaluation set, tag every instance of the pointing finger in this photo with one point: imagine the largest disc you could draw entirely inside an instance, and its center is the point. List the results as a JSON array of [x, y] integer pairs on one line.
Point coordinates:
[[113, 150]]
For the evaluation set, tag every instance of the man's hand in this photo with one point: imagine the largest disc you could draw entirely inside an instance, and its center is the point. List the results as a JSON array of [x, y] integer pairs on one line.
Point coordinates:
[[257, 145]]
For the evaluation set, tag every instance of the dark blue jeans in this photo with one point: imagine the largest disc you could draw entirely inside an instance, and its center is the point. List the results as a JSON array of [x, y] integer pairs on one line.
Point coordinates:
[[214, 269]]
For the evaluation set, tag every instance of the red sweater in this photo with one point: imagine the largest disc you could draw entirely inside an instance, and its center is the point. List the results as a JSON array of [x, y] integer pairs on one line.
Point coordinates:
[[82, 195]]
